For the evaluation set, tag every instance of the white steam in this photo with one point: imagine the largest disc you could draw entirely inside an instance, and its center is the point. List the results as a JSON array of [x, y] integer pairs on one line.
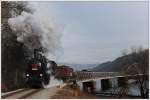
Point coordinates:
[[53, 82], [38, 30]]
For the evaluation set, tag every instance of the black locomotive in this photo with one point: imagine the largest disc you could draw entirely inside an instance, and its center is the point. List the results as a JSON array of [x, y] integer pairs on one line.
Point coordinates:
[[39, 70]]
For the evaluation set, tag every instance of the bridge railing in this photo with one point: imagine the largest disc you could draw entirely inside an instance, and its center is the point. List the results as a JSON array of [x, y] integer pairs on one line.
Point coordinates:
[[81, 75]]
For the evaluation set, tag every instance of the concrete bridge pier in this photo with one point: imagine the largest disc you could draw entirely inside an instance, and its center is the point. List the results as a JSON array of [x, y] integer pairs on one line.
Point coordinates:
[[114, 82], [98, 86]]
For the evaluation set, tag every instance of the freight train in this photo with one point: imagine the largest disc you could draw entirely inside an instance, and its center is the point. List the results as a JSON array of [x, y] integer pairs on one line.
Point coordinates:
[[40, 70]]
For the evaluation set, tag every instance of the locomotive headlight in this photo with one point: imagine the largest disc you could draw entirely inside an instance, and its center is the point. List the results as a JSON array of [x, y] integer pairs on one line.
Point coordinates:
[[41, 75], [27, 75]]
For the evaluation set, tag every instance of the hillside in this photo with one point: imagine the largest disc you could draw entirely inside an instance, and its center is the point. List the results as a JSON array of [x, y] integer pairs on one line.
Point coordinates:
[[120, 63], [80, 66]]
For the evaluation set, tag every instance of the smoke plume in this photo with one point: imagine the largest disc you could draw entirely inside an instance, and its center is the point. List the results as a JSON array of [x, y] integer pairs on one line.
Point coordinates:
[[38, 29]]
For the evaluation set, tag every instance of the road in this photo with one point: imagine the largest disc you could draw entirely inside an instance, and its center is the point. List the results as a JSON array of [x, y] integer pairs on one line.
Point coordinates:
[[46, 93]]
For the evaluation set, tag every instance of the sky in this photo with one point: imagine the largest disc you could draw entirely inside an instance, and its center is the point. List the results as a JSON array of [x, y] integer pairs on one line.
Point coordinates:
[[96, 32]]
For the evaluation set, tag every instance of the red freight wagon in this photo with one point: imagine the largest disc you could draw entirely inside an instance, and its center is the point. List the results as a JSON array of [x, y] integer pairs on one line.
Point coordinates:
[[64, 72]]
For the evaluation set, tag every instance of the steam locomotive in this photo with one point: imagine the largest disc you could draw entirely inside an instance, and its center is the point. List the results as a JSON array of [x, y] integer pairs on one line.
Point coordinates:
[[40, 70]]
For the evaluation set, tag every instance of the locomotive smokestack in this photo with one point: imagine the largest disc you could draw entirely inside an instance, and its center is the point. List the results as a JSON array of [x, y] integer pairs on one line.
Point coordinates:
[[35, 53]]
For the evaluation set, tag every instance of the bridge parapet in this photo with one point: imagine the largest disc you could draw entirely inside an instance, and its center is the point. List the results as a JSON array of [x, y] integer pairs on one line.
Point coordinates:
[[81, 75], [85, 75]]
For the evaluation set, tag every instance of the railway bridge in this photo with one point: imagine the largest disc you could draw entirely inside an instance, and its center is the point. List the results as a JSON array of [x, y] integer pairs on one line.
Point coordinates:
[[101, 81]]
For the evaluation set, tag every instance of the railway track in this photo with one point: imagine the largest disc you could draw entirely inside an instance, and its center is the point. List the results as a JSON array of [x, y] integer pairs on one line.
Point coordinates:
[[28, 93], [20, 93], [7, 94]]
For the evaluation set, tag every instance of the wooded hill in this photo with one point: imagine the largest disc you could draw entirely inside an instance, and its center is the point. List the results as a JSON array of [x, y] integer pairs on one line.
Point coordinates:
[[123, 62]]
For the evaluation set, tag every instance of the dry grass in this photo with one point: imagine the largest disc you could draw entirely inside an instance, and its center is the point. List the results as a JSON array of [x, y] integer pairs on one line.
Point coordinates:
[[71, 92]]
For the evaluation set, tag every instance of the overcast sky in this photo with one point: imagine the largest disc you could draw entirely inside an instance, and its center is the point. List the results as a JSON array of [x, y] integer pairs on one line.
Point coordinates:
[[96, 32]]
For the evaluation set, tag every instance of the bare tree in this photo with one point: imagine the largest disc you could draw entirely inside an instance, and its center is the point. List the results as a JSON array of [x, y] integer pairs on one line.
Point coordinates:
[[13, 63], [137, 64]]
